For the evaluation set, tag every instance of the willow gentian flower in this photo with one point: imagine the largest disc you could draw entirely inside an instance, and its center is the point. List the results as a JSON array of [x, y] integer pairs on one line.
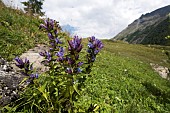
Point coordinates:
[[69, 71], [23, 64], [70, 61], [50, 36], [57, 41], [34, 75], [80, 64], [46, 54], [95, 44], [75, 44], [94, 47], [61, 52], [78, 70], [19, 63], [28, 68], [49, 24]]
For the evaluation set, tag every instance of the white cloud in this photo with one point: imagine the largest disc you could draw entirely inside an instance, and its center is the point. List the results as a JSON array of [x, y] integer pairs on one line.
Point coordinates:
[[102, 18]]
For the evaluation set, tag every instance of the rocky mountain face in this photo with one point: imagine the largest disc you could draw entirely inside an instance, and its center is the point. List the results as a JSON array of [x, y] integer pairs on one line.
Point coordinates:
[[151, 28]]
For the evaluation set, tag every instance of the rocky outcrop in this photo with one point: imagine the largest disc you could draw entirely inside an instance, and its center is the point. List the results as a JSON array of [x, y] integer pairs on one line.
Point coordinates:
[[33, 56], [162, 71], [9, 83], [10, 77]]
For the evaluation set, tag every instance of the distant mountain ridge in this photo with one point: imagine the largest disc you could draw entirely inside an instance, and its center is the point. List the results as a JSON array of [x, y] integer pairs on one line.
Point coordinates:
[[151, 28], [68, 28]]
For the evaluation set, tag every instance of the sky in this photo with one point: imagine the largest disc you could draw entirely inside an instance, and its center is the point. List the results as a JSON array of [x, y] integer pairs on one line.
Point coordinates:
[[100, 18]]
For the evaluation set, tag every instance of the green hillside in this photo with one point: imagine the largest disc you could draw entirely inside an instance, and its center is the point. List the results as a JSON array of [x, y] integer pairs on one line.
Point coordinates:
[[122, 79], [18, 32]]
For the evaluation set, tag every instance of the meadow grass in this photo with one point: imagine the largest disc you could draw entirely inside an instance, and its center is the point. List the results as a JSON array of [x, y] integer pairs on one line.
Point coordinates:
[[18, 32], [125, 85]]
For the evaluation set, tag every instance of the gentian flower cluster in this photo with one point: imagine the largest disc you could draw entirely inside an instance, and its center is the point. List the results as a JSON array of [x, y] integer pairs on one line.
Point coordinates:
[[94, 47], [52, 27], [60, 55], [69, 61], [75, 46], [49, 25], [27, 68]]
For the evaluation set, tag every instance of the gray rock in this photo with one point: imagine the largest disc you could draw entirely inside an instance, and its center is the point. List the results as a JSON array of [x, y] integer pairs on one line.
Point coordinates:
[[162, 71], [10, 77], [9, 83]]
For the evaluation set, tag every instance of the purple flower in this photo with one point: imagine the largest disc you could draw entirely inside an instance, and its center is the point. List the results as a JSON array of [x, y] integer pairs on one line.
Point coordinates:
[[23, 64], [51, 49], [46, 54], [50, 36], [19, 63], [57, 41], [55, 32], [28, 69], [79, 70], [93, 58], [34, 75], [99, 44], [80, 64], [96, 51], [52, 44], [60, 59], [69, 71], [75, 44], [61, 52], [43, 26], [92, 39], [49, 24], [94, 45], [70, 61], [41, 54], [90, 45]]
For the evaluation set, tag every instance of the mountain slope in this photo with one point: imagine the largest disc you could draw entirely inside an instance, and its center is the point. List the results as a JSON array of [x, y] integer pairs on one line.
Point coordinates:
[[151, 28]]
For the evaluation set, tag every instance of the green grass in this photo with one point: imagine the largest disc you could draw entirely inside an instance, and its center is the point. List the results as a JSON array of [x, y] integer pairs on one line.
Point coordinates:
[[18, 32], [144, 53], [122, 80], [125, 85]]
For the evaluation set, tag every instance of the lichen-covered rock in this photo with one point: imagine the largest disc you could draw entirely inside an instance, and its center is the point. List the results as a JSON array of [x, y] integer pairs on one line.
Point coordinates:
[[10, 76], [9, 83]]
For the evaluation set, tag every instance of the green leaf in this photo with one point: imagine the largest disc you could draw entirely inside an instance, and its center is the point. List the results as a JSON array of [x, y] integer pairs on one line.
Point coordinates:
[[23, 80], [42, 88], [75, 88], [71, 90], [54, 83], [43, 91], [56, 93], [96, 107]]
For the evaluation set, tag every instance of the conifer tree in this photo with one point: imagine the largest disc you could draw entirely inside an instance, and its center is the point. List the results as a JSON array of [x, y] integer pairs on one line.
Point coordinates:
[[34, 7]]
